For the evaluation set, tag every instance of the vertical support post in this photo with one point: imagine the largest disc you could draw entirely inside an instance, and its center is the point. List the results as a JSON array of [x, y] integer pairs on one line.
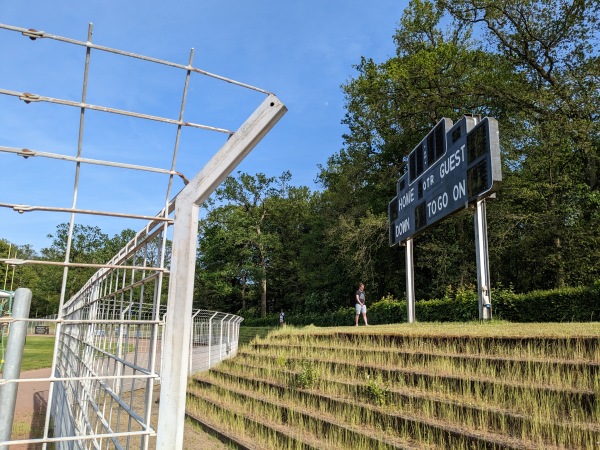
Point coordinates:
[[483, 265], [192, 336], [171, 416], [175, 345], [221, 339], [12, 363], [410, 282], [210, 339]]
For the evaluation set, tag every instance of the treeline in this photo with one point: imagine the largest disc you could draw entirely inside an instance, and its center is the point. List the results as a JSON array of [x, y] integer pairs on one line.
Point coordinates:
[[89, 245], [267, 245], [533, 66]]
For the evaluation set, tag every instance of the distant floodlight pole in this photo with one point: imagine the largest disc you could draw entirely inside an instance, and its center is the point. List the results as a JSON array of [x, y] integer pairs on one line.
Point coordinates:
[[410, 282], [171, 417], [6, 272]]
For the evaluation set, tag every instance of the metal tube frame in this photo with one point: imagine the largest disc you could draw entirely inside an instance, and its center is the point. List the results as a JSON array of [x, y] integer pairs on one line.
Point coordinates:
[[12, 364], [84, 364], [484, 295]]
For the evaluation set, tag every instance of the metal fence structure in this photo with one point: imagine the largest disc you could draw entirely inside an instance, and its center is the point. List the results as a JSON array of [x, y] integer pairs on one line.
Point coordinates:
[[129, 327], [45, 325], [214, 334]]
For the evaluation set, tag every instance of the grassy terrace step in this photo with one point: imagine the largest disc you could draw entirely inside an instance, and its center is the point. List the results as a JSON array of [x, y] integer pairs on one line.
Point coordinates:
[[496, 365], [320, 430], [492, 418], [443, 432], [462, 386], [247, 334], [216, 430], [584, 348], [225, 420], [485, 387], [370, 426]]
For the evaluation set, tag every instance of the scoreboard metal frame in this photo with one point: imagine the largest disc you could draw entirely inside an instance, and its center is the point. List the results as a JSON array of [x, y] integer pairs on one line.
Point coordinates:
[[454, 166]]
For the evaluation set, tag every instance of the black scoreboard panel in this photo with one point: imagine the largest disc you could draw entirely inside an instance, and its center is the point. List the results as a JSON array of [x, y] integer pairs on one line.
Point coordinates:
[[452, 167], [484, 172]]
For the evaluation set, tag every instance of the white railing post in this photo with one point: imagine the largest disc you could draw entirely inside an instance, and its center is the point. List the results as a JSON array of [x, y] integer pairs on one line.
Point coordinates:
[[171, 418], [192, 335]]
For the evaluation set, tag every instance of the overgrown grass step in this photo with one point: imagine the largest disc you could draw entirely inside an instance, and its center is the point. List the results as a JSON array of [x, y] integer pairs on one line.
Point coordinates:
[[321, 429], [390, 423], [493, 365], [493, 411], [392, 387], [536, 396], [427, 404]]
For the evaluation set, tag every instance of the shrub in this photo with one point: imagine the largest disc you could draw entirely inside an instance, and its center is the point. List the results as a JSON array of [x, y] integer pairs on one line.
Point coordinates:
[[377, 390], [580, 304], [387, 310], [307, 377]]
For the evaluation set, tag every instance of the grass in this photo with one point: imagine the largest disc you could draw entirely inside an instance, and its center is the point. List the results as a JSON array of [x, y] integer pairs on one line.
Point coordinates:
[[37, 353], [38, 350], [464, 329], [475, 385]]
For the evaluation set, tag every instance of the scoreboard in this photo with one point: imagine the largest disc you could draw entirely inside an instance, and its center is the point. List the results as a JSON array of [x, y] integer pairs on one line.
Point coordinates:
[[454, 166]]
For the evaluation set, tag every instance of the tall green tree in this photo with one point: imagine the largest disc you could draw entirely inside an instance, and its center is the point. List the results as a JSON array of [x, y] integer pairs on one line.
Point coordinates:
[[534, 66], [14, 276], [549, 207], [89, 245], [223, 262], [243, 220], [390, 107]]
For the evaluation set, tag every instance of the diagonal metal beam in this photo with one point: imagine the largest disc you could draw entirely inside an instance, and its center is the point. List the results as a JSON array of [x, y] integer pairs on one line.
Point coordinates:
[[175, 346]]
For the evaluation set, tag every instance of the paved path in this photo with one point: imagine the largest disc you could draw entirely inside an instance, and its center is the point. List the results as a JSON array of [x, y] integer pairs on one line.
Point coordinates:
[[32, 396], [30, 408]]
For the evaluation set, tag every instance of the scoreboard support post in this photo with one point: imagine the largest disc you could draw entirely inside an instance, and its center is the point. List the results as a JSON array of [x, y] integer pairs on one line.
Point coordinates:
[[410, 282], [483, 262]]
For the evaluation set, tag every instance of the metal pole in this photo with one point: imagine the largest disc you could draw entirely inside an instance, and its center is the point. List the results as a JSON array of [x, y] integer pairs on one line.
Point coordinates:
[[6, 275], [210, 337], [192, 336], [12, 278], [483, 265], [410, 282], [12, 362], [171, 415]]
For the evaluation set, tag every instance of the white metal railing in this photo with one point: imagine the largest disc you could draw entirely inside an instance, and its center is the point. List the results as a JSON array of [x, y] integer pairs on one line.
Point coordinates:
[[214, 338], [129, 327]]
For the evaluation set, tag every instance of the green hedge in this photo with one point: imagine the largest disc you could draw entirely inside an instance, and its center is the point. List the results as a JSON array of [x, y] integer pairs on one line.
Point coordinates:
[[559, 305]]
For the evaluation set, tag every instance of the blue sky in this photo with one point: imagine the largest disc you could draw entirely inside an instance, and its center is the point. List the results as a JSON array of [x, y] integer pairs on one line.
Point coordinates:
[[302, 51]]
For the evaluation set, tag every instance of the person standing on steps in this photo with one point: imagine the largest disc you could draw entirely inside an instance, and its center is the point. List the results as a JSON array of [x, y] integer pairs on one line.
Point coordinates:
[[361, 307]]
